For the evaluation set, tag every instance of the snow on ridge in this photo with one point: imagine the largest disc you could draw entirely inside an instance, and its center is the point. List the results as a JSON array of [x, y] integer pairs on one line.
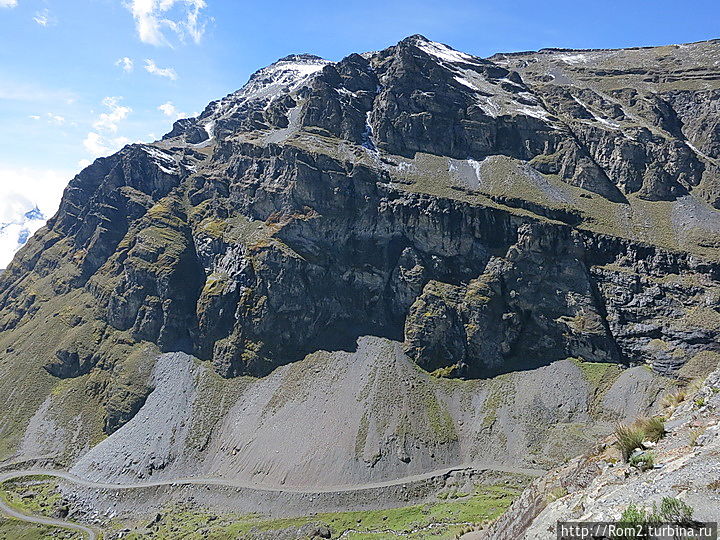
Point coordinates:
[[698, 151], [443, 52], [284, 76], [302, 69], [572, 58], [165, 162], [345, 92], [287, 72], [535, 112], [489, 106], [605, 121], [465, 82]]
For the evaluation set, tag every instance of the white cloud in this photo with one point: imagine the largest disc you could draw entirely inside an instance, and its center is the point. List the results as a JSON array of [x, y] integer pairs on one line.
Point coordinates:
[[43, 18], [154, 17], [125, 63], [108, 121], [102, 141], [84, 163], [55, 119], [151, 67], [94, 144], [98, 145], [21, 191], [52, 118], [8, 3], [168, 109]]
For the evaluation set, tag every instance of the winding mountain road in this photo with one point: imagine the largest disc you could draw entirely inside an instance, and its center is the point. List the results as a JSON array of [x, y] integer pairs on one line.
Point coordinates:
[[207, 481]]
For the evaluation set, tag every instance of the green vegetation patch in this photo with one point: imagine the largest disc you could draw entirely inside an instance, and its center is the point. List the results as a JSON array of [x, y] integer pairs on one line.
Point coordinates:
[[443, 519], [500, 393], [671, 510], [13, 529], [598, 374], [34, 495]]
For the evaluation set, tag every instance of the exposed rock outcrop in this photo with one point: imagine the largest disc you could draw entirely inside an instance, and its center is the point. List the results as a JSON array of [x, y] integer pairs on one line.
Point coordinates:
[[597, 487]]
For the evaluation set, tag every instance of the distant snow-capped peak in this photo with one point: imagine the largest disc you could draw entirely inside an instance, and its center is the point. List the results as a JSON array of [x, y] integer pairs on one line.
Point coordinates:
[[14, 233]]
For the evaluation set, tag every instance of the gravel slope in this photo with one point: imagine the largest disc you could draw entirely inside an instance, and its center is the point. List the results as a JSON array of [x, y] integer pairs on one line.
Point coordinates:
[[349, 419]]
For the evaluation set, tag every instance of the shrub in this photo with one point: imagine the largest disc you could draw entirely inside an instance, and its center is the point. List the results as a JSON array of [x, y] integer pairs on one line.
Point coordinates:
[[630, 517], [694, 435], [674, 511], [674, 399], [643, 461], [671, 510], [633, 514], [628, 439], [556, 493]]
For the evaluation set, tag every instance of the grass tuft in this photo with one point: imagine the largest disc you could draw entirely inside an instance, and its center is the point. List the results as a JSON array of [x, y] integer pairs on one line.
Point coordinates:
[[630, 437]]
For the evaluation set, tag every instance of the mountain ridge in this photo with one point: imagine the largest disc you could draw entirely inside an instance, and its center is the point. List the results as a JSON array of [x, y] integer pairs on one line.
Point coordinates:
[[471, 259]]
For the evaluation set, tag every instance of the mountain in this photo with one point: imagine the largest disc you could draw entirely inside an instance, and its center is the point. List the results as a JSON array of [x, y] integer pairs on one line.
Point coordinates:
[[350, 273], [16, 231]]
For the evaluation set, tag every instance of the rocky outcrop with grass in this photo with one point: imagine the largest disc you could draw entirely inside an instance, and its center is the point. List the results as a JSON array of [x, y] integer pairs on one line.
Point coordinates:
[[661, 469]]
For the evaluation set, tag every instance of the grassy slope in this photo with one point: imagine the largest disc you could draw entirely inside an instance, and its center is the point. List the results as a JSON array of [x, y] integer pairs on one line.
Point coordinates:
[[447, 517], [13, 529]]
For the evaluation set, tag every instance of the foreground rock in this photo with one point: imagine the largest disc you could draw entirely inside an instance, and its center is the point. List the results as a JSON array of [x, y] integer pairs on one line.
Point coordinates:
[[598, 488]]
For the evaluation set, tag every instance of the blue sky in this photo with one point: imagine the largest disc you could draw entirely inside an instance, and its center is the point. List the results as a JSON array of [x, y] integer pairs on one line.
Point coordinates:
[[80, 78]]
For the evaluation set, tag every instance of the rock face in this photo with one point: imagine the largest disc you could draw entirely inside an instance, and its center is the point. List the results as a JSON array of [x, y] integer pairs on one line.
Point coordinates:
[[493, 215]]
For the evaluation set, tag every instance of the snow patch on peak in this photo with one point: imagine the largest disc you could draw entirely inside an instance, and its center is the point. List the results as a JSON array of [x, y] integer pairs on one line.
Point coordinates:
[[288, 73], [443, 52], [300, 68]]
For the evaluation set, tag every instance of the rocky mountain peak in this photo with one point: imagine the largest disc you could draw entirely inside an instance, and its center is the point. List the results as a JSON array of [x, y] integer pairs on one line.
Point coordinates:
[[247, 108], [287, 71], [303, 57], [440, 51]]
